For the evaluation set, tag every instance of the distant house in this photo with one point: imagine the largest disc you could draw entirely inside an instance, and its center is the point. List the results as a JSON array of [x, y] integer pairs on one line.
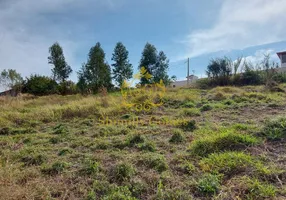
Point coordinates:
[[282, 57], [190, 79]]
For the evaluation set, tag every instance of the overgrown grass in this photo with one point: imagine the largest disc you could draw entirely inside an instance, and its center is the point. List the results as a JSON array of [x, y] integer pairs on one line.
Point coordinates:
[[221, 142]]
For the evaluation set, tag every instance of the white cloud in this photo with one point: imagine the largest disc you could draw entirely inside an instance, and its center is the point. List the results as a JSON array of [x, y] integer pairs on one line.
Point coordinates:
[[26, 32], [240, 24]]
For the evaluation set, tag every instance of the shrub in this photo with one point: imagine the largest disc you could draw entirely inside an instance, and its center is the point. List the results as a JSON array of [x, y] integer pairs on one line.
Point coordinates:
[[67, 88], [187, 125], [222, 142], [154, 161], [177, 137], [209, 184], [206, 107], [191, 112], [56, 168], [119, 193], [55, 140], [40, 85], [16, 131], [60, 129], [147, 146], [136, 139], [275, 129], [37, 159], [123, 171], [64, 151], [188, 105], [231, 163], [90, 167]]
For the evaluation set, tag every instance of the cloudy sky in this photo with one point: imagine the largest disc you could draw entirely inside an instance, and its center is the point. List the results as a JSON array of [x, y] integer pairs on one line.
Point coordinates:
[[200, 30]]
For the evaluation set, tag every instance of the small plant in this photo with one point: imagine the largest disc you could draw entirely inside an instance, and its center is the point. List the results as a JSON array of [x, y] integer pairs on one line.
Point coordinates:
[[119, 193], [123, 171], [206, 107], [60, 129], [177, 137], [191, 112], [187, 167], [154, 161], [275, 129], [147, 146], [136, 139], [64, 151], [187, 125], [209, 184], [91, 168], [33, 159], [56, 168], [91, 195], [189, 105], [55, 140]]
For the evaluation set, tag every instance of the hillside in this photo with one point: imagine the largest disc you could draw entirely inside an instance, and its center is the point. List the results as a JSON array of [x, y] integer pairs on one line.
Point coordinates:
[[223, 143]]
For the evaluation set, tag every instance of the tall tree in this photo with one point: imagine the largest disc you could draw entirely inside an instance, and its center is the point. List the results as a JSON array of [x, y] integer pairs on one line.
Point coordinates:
[[10, 79], [122, 69], [96, 72], [148, 60], [161, 68], [61, 70]]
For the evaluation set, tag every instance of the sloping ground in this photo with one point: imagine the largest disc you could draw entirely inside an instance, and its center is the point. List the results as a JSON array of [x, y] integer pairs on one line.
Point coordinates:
[[224, 143]]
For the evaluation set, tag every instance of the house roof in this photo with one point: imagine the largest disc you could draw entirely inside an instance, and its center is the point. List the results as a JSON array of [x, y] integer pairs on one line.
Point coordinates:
[[281, 53]]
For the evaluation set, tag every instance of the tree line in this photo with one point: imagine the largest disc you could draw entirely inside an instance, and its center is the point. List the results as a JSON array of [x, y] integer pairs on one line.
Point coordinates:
[[224, 71], [93, 75]]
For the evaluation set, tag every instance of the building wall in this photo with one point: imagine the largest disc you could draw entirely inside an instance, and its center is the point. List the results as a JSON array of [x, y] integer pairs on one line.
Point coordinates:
[[178, 84]]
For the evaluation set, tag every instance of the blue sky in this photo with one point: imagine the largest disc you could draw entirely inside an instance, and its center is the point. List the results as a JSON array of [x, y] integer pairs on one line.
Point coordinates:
[[200, 30]]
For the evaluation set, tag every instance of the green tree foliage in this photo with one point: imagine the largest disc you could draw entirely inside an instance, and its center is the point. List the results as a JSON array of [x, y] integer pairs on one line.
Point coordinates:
[[10, 79], [61, 70], [219, 70], [96, 73], [161, 68], [155, 64], [40, 85], [122, 69]]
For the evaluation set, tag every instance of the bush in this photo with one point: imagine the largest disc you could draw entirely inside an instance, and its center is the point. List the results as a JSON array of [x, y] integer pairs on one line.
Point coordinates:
[[275, 129], [187, 125], [33, 159], [40, 85], [123, 172], [136, 139], [56, 168], [90, 168], [188, 105], [206, 107], [67, 88], [177, 137], [147, 146], [191, 112], [209, 184], [221, 142], [119, 193], [154, 161]]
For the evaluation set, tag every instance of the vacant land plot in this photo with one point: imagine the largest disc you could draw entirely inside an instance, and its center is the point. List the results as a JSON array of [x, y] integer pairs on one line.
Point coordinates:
[[224, 143]]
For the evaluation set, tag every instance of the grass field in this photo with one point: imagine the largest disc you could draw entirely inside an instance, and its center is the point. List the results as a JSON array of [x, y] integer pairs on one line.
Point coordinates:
[[223, 143]]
